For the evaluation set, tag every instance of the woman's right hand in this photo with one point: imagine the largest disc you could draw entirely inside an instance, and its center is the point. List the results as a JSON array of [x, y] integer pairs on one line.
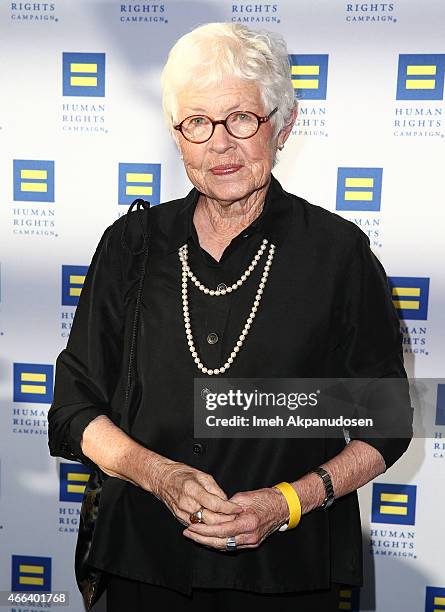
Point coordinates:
[[184, 490]]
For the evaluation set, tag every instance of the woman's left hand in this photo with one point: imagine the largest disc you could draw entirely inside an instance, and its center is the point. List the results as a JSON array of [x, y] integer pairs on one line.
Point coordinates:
[[264, 511]]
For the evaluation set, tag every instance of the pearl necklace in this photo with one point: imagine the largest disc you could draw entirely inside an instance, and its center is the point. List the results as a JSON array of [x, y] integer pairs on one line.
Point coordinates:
[[183, 254], [233, 287]]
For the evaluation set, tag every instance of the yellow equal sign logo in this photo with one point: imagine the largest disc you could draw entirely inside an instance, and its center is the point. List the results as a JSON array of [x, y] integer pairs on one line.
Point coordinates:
[[29, 185], [410, 296], [139, 180], [420, 76], [417, 71], [309, 74], [353, 194], [73, 480], [30, 573], [77, 80], [309, 77], [359, 188], [33, 180], [389, 501], [394, 503], [143, 186], [83, 74], [73, 280], [399, 293], [33, 382], [35, 574], [76, 279]]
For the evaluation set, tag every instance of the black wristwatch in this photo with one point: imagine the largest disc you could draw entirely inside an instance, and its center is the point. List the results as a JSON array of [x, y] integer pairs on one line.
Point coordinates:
[[329, 499]]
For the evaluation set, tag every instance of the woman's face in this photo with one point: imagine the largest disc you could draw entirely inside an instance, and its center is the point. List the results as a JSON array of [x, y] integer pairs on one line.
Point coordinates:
[[254, 155]]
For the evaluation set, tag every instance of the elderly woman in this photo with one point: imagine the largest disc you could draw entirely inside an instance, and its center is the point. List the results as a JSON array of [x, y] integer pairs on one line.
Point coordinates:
[[243, 279]]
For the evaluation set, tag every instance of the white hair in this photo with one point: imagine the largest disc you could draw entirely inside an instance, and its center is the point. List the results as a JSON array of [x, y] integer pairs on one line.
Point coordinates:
[[203, 57]]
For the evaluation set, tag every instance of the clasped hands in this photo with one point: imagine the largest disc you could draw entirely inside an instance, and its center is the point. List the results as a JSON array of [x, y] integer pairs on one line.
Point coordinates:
[[250, 516]]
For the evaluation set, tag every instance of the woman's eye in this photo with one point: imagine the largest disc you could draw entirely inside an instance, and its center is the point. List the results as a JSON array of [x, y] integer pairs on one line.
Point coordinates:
[[198, 120]]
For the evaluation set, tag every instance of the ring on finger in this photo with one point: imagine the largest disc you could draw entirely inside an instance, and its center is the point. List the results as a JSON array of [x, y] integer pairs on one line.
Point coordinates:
[[231, 543], [196, 517]]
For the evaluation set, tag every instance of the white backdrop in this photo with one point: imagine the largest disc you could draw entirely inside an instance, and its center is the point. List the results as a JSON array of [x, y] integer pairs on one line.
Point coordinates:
[[80, 115]]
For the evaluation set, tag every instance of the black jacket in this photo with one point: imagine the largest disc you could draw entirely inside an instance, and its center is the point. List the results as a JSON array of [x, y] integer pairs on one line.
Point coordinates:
[[326, 312]]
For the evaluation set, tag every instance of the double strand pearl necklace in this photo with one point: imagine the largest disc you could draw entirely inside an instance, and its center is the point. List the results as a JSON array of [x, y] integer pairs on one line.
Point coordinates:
[[186, 273], [233, 287]]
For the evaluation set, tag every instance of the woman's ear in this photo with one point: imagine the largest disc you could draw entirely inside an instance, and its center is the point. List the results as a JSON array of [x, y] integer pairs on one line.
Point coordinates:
[[287, 129]]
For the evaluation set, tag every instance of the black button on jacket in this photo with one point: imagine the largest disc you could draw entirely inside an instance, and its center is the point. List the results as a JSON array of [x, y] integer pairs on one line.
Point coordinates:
[[326, 311]]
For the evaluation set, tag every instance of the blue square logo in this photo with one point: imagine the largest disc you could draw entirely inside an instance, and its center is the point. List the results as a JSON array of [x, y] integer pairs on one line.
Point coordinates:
[[359, 189], [73, 480], [410, 296], [73, 278], [139, 181], [33, 180], [84, 74], [420, 76], [309, 75], [393, 503], [30, 573], [33, 383]]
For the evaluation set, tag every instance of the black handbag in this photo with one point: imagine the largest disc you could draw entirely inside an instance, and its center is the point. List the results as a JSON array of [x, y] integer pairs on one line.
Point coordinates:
[[92, 581]]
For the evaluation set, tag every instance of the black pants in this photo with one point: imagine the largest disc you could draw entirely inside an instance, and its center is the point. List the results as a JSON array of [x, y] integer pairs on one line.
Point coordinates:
[[124, 595]]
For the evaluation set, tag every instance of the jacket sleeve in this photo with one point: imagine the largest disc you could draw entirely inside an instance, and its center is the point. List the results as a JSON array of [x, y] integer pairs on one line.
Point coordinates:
[[372, 349], [87, 370]]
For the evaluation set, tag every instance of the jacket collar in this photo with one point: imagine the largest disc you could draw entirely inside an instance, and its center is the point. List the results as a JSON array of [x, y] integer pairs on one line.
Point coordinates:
[[273, 222]]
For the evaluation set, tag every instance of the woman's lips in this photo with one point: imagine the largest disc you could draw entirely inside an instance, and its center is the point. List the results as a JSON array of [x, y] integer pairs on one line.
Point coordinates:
[[225, 169]]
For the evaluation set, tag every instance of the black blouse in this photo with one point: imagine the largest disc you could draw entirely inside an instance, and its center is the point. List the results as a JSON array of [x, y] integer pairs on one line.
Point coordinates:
[[326, 311]]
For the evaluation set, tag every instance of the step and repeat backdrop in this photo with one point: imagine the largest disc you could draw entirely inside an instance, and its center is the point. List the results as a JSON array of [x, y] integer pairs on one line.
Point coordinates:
[[82, 134]]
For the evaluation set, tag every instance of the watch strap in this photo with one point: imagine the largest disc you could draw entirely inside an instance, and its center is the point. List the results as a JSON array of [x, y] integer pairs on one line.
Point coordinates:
[[329, 499]]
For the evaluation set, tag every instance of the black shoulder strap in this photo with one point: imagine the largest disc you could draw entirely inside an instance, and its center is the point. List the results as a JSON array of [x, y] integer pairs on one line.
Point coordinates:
[[140, 205]]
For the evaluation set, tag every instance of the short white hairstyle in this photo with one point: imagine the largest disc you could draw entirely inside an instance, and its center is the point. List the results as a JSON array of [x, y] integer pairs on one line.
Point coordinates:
[[203, 57]]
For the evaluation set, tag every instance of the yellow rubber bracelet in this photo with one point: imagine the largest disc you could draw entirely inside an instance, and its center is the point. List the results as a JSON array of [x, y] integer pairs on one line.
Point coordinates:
[[293, 501]]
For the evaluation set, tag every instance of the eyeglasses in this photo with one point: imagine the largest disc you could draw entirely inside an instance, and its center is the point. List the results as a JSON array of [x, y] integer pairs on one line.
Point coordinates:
[[240, 124]]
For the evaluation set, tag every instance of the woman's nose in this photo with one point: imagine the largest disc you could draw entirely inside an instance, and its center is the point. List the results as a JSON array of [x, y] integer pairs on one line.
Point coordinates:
[[221, 139]]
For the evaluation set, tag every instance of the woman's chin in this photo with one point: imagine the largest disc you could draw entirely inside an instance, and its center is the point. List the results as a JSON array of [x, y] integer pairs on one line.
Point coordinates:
[[229, 187]]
